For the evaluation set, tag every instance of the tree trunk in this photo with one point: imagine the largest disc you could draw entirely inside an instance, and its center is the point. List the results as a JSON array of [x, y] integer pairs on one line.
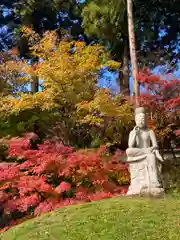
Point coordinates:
[[132, 46], [124, 71], [35, 84], [35, 79], [1, 86]]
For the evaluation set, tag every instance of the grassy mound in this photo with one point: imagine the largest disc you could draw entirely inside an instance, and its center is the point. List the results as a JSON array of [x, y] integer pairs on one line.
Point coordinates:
[[118, 218]]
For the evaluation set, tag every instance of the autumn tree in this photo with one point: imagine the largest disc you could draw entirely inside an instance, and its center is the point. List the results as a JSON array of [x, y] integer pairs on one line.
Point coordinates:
[[161, 97], [41, 16], [70, 72], [110, 117], [12, 81]]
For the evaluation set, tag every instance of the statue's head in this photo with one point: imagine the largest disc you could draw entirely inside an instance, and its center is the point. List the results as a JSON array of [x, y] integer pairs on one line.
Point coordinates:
[[140, 117]]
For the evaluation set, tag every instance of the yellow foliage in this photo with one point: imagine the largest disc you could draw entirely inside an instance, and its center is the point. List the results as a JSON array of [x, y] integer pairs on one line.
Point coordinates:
[[104, 106], [26, 101], [164, 132], [69, 71], [30, 35], [44, 48], [6, 105], [113, 65], [11, 74]]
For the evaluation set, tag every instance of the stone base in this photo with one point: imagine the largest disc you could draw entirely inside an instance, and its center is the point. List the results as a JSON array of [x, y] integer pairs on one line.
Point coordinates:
[[145, 177], [147, 191]]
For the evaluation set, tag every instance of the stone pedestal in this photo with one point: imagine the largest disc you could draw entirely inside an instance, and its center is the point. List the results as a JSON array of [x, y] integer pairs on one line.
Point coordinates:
[[144, 178]]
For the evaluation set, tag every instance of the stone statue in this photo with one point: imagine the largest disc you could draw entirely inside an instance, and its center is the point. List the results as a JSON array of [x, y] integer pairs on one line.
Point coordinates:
[[143, 158]]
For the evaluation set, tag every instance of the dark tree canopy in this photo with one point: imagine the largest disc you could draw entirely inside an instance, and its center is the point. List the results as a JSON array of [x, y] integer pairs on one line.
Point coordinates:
[[103, 20], [157, 26], [158, 30], [40, 15]]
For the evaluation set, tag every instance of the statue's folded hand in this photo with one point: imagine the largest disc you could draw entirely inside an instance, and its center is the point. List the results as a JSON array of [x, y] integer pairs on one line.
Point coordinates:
[[136, 130]]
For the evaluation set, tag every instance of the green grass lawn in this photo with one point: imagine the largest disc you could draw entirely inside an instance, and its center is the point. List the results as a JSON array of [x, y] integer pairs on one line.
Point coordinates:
[[119, 218]]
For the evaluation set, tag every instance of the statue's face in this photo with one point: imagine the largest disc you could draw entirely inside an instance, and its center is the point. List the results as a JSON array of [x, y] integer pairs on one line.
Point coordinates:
[[140, 120]]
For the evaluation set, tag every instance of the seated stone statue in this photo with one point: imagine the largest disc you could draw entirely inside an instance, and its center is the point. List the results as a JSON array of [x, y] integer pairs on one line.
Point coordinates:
[[143, 158]]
